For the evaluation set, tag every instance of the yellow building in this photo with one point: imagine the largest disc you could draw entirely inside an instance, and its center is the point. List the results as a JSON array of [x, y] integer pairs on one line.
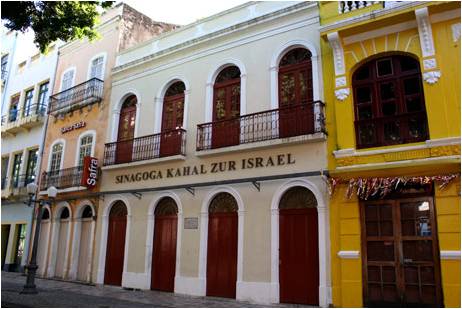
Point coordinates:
[[392, 83]]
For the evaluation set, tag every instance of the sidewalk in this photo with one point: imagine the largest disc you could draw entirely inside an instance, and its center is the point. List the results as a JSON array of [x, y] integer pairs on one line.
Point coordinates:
[[53, 293]]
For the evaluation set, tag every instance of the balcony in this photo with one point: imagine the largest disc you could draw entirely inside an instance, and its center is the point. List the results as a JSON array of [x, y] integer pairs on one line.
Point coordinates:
[[280, 123], [22, 120], [62, 179], [76, 97], [16, 186], [350, 6], [164, 144]]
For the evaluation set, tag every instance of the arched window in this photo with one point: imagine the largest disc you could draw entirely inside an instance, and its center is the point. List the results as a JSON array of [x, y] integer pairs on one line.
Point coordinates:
[[172, 112], [64, 213], [297, 197], [226, 108], [166, 207], [227, 94], [56, 155], [87, 212], [86, 143], [96, 68], [223, 202], [45, 214], [295, 78], [389, 102], [126, 130]]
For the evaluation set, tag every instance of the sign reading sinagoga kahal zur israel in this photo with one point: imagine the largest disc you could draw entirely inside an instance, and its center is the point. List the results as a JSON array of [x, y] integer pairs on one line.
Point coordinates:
[[212, 168]]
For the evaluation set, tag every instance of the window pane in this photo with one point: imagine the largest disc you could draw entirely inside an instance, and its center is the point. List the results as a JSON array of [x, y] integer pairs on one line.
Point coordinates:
[[409, 64], [413, 104], [389, 109], [363, 95], [384, 67], [365, 112], [362, 73], [391, 131], [387, 91], [367, 134], [417, 128]]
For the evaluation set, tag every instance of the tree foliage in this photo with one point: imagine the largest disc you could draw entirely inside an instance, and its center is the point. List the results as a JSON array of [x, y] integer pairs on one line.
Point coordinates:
[[53, 20]]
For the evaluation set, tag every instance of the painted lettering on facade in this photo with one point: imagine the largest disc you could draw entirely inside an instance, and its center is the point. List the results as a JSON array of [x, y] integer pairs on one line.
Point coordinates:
[[75, 126], [212, 168]]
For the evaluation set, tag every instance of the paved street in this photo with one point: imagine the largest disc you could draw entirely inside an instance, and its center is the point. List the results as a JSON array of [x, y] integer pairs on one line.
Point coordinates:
[[53, 293]]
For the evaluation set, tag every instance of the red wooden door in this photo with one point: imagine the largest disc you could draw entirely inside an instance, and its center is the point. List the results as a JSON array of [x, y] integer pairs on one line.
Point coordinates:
[[298, 256], [401, 265], [172, 120], [222, 255], [296, 115], [226, 110], [115, 249], [126, 134], [164, 253]]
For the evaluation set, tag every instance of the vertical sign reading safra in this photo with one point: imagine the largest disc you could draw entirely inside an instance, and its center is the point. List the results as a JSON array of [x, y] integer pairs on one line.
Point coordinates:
[[90, 172]]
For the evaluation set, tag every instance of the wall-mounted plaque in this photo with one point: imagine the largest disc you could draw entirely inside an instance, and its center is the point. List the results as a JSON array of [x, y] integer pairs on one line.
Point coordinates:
[[191, 223]]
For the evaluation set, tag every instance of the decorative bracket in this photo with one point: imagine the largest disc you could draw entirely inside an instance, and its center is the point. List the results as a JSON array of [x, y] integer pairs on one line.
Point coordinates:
[[342, 93], [431, 77], [339, 61], [137, 195], [190, 190], [256, 184], [425, 32]]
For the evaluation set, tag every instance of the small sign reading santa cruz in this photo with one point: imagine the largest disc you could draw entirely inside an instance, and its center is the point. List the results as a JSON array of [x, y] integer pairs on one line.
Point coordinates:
[[212, 168]]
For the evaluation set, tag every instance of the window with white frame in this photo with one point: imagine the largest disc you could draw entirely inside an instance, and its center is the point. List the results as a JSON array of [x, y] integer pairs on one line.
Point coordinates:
[[96, 70], [56, 155], [86, 143], [67, 81]]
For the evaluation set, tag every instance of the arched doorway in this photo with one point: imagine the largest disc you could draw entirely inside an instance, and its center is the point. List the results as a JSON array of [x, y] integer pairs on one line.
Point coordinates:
[[63, 235], [172, 120], [43, 242], [226, 108], [164, 252], [222, 246], [296, 115], [85, 243], [298, 247], [126, 130], [115, 248]]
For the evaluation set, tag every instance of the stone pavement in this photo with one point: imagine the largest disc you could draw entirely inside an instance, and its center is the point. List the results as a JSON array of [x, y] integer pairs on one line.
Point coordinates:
[[54, 293]]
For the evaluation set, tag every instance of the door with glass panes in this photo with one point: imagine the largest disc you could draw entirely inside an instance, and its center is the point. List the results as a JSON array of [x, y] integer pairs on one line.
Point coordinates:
[[400, 253]]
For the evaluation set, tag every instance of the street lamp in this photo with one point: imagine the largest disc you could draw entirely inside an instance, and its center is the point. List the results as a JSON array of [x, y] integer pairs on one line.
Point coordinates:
[[29, 287]]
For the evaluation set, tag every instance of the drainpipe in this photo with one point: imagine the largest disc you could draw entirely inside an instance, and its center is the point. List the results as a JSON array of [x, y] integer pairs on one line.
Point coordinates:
[[41, 150]]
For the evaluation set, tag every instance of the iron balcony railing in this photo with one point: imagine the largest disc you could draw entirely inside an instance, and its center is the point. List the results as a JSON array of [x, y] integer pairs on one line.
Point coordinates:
[[350, 6], [164, 144], [21, 181], [61, 179], [81, 95], [277, 123], [27, 111]]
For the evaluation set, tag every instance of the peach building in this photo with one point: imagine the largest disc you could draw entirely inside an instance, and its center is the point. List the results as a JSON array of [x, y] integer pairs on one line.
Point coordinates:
[[76, 129]]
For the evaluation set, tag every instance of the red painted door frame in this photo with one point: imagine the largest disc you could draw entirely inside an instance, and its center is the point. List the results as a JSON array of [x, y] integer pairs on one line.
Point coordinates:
[[164, 253], [222, 254], [115, 250], [298, 256]]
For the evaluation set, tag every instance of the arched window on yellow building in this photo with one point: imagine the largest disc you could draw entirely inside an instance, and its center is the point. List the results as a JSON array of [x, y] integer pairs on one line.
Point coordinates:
[[389, 102]]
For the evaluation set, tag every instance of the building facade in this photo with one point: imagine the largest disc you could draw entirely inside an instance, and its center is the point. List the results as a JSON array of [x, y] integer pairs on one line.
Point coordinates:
[[392, 73], [25, 84], [78, 111], [213, 167]]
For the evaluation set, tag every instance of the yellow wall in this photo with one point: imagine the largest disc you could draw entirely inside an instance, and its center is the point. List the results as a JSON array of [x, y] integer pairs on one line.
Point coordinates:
[[442, 101]]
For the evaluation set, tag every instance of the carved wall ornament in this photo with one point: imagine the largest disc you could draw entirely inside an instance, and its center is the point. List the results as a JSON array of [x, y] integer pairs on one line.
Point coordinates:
[[431, 77], [342, 94], [455, 32], [429, 64], [337, 49], [443, 151], [340, 82], [425, 32]]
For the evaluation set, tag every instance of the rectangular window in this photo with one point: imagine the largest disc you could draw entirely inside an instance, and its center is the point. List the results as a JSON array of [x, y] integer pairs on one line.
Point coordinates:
[[20, 242], [16, 167], [28, 106], [5, 161], [67, 80], [31, 166], [43, 96], [4, 66], [85, 148], [14, 106]]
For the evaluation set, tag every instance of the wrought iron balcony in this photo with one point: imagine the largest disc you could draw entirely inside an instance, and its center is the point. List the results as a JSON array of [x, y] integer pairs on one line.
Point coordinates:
[[350, 6], [267, 125], [164, 144], [25, 118], [61, 179], [76, 97]]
